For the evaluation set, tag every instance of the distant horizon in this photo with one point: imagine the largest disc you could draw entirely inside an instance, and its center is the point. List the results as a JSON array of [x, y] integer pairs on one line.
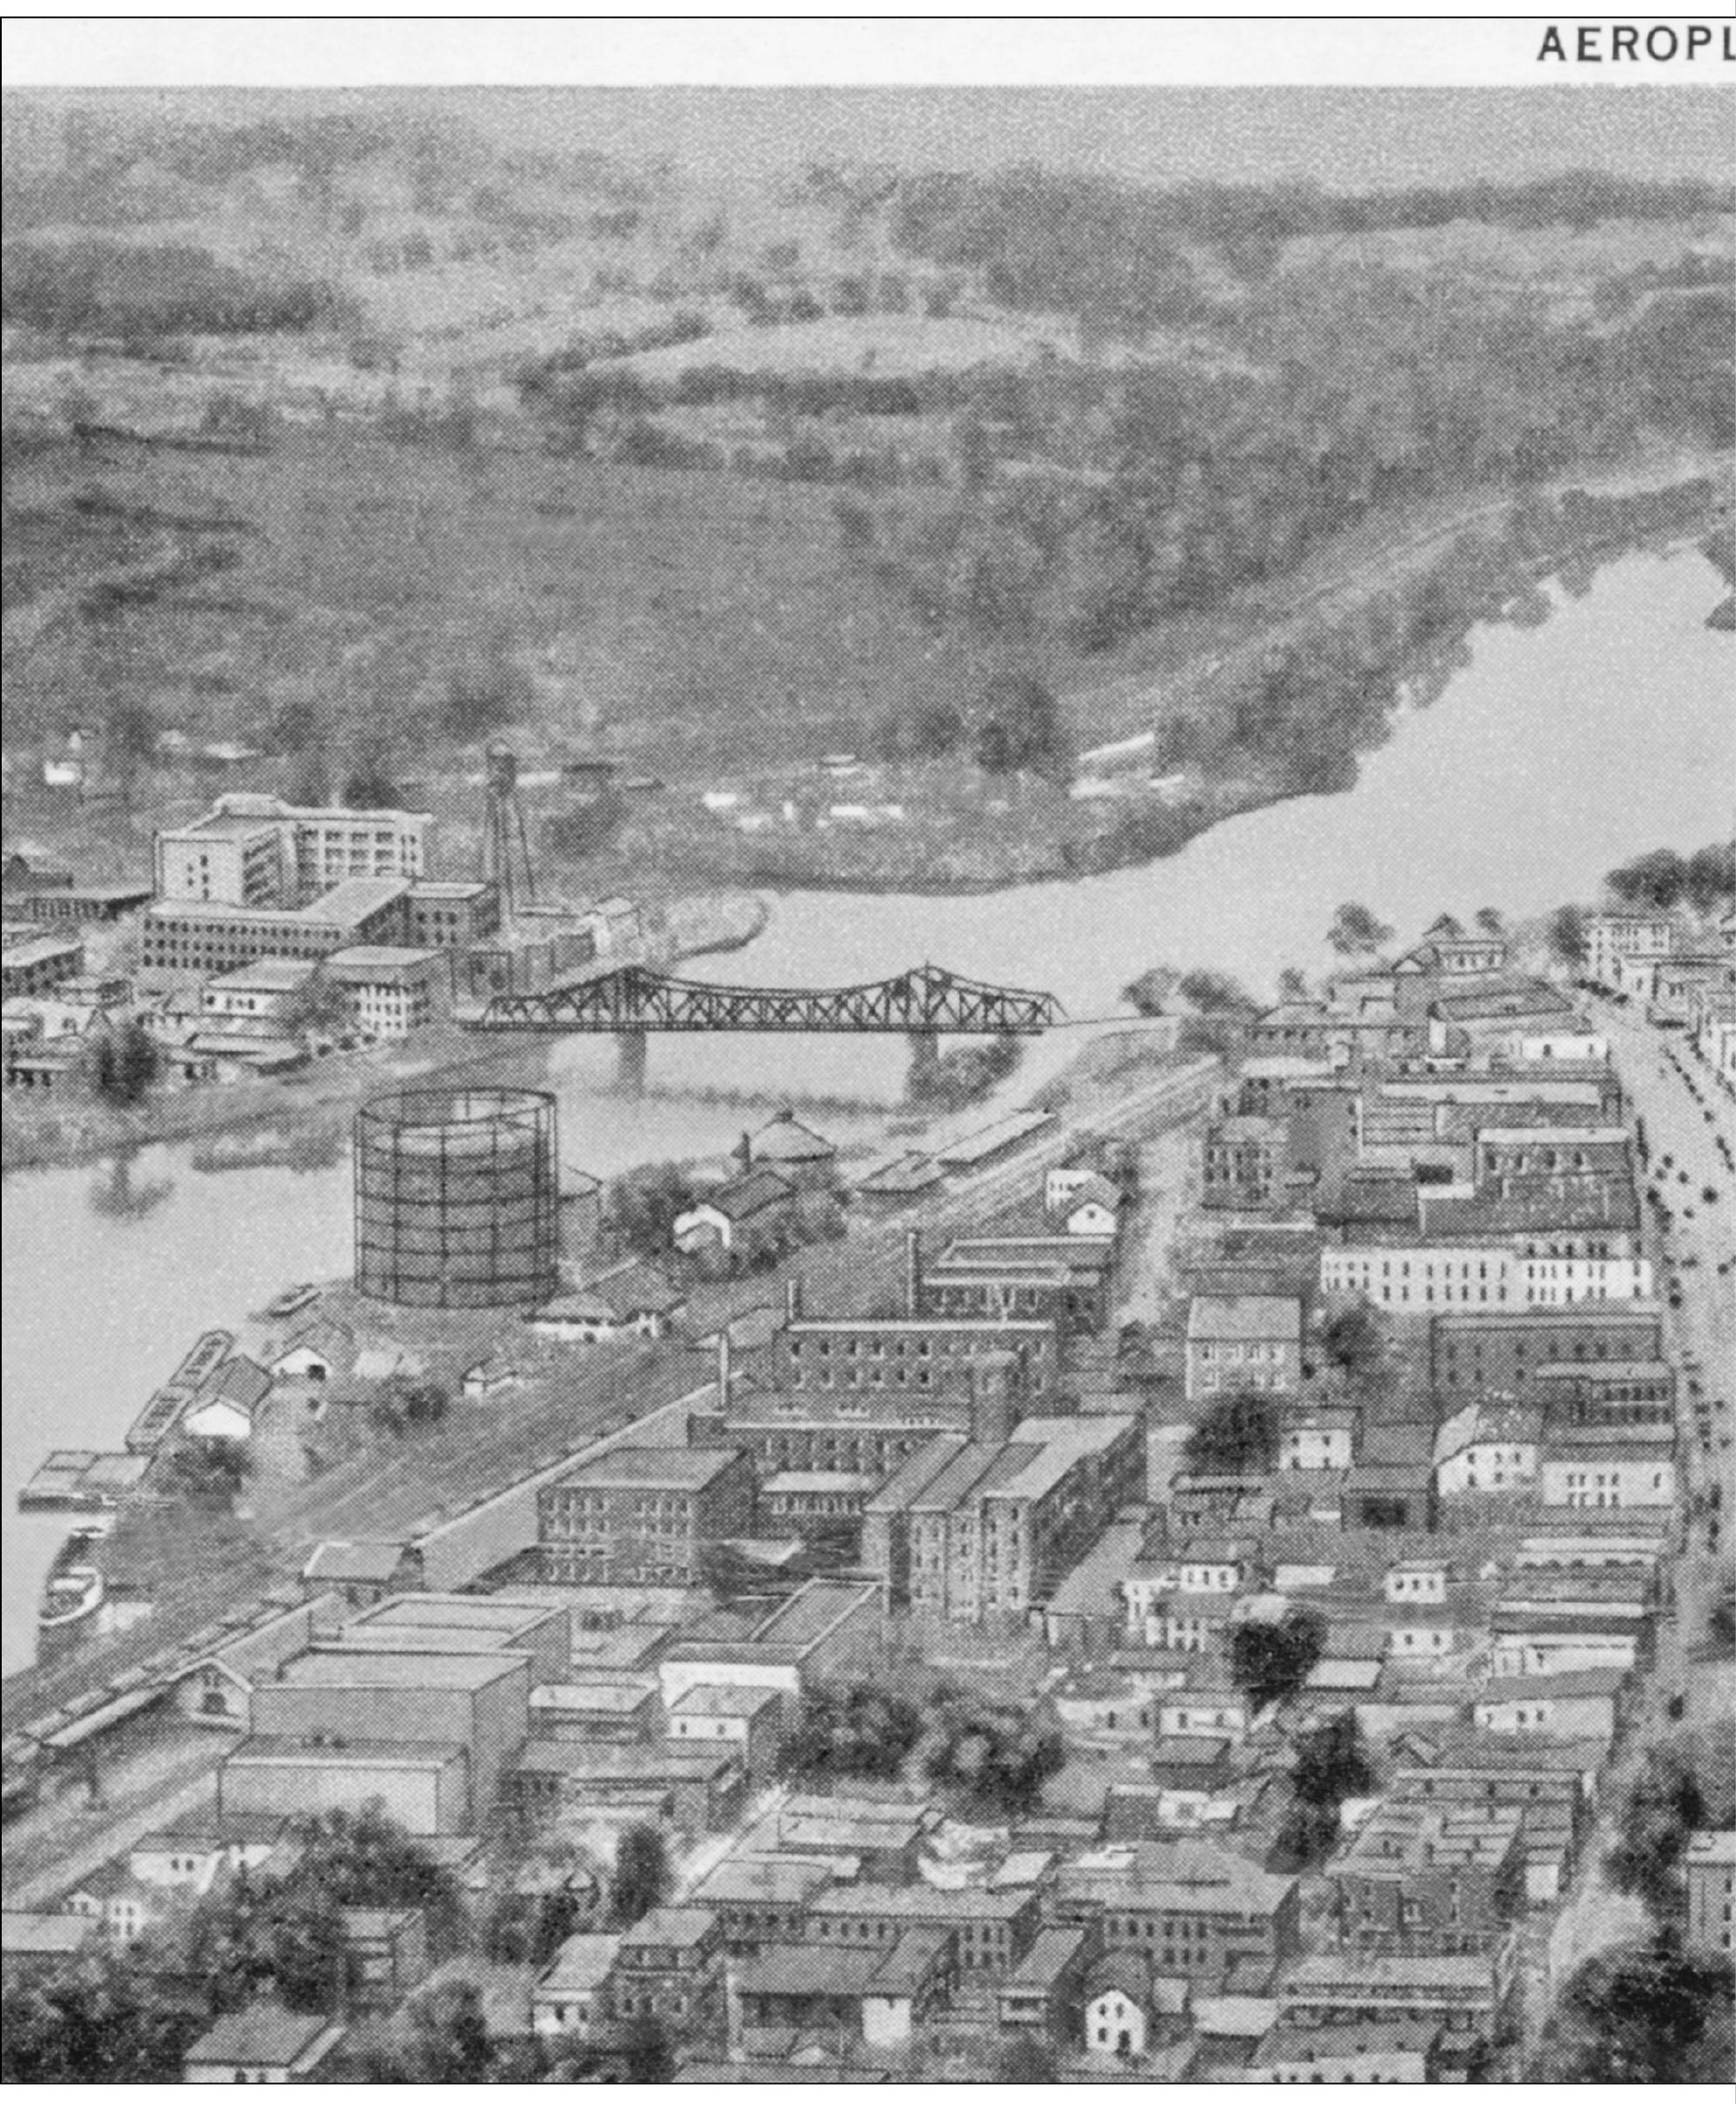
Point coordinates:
[[1339, 138]]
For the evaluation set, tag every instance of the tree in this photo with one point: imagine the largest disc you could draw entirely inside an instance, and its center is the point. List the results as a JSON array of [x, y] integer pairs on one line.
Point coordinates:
[[131, 730], [96, 2023], [1710, 876], [122, 1064], [1236, 1435], [1020, 727], [1669, 1800], [1354, 1340], [1645, 2015], [1150, 993], [1292, 984], [1269, 1661], [202, 1472], [259, 1934], [310, 785], [644, 1204], [1000, 1754], [647, 2055], [851, 1730], [1355, 932], [1658, 880], [369, 785], [481, 699], [319, 1007], [642, 1875], [1568, 937], [937, 731], [1330, 1765], [294, 726], [1027, 2060], [449, 2036], [1217, 993], [366, 1859], [1490, 921]]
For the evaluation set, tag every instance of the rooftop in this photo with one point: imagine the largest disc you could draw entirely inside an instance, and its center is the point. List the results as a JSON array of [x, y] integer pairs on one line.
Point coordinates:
[[651, 1469], [368, 1669], [264, 2035], [383, 961], [785, 1138], [723, 1700], [267, 975], [582, 1963], [1235, 1317], [746, 1195], [665, 1927]]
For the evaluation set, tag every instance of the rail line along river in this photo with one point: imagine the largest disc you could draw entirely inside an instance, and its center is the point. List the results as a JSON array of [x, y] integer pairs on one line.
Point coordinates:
[[1555, 752]]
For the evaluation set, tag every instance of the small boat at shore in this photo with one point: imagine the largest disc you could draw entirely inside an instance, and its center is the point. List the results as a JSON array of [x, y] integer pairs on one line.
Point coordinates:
[[291, 1300], [73, 1592]]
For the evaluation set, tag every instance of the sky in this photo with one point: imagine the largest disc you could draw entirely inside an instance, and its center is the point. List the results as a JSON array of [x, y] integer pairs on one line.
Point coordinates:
[[1341, 137]]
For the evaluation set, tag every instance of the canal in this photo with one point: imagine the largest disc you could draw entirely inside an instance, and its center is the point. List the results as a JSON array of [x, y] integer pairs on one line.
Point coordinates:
[[1555, 752]]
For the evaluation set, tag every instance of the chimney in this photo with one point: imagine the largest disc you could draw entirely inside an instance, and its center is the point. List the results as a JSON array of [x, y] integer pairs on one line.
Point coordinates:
[[744, 1151], [913, 1271], [792, 1299]]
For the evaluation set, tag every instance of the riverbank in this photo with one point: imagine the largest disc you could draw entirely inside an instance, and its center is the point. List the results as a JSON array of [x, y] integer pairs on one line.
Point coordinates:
[[1558, 752], [294, 1119], [1314, 679]]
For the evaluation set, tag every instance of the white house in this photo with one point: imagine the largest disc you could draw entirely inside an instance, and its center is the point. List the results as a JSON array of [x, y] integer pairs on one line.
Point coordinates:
[[228, 1406], [1617, 941], [747, 1215], [320, 1350], [632, 1300], [1584, 1046], [1317, 1436], [1609, 1475], [1586, 1705], [1487, 1447], [571, 1998], [1094, 1209], [1118, 2007]]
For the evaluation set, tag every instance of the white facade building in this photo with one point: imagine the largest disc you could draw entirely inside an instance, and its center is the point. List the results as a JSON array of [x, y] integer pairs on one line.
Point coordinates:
[[1423, 1281]]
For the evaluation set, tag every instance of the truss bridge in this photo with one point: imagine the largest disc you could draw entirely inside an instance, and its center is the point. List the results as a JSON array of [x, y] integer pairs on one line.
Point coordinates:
[[923, 1004]]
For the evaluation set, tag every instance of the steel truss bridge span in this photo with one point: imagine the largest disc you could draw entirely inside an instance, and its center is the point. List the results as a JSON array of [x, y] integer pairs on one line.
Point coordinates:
[[927, 1002]]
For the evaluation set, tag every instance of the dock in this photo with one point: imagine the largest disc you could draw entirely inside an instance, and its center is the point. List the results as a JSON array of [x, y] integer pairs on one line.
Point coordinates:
[[74, 1480], [163, 1411]]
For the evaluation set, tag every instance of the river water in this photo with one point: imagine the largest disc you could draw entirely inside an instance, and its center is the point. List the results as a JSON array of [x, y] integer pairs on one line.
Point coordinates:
[[1555, 752]]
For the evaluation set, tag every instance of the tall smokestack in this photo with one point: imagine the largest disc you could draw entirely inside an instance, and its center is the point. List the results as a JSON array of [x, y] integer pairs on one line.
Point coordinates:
[[792, 1300], [913, 1271], [724, 1370]]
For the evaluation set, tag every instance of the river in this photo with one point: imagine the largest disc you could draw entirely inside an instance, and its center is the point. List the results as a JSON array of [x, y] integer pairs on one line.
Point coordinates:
[[1554, 752]]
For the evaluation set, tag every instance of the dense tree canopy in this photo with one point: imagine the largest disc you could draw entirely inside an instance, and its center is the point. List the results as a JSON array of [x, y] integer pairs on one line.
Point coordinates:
[[1271, 1660]]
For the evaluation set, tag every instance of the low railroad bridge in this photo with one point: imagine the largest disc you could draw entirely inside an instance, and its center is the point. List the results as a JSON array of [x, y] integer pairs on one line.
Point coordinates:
[[922, 1006]]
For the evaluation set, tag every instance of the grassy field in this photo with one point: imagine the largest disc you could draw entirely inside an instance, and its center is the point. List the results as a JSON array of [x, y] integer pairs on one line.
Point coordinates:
[[694, 621]]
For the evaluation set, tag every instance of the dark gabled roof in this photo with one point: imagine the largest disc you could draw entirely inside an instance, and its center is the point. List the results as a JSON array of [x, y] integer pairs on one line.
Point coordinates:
[[755, 1192], [785, 1138]]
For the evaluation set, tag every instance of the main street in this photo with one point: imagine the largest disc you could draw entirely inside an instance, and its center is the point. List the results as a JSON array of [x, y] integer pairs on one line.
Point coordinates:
[[1682, 1110]]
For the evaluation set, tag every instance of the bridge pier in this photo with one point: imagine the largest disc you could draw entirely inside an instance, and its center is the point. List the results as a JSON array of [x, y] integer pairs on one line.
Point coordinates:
[[631, 1047], [925, 1060]]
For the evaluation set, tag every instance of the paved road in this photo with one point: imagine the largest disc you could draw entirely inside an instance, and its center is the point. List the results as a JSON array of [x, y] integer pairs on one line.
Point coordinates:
[[1685, 1111], [1672, 1091]]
